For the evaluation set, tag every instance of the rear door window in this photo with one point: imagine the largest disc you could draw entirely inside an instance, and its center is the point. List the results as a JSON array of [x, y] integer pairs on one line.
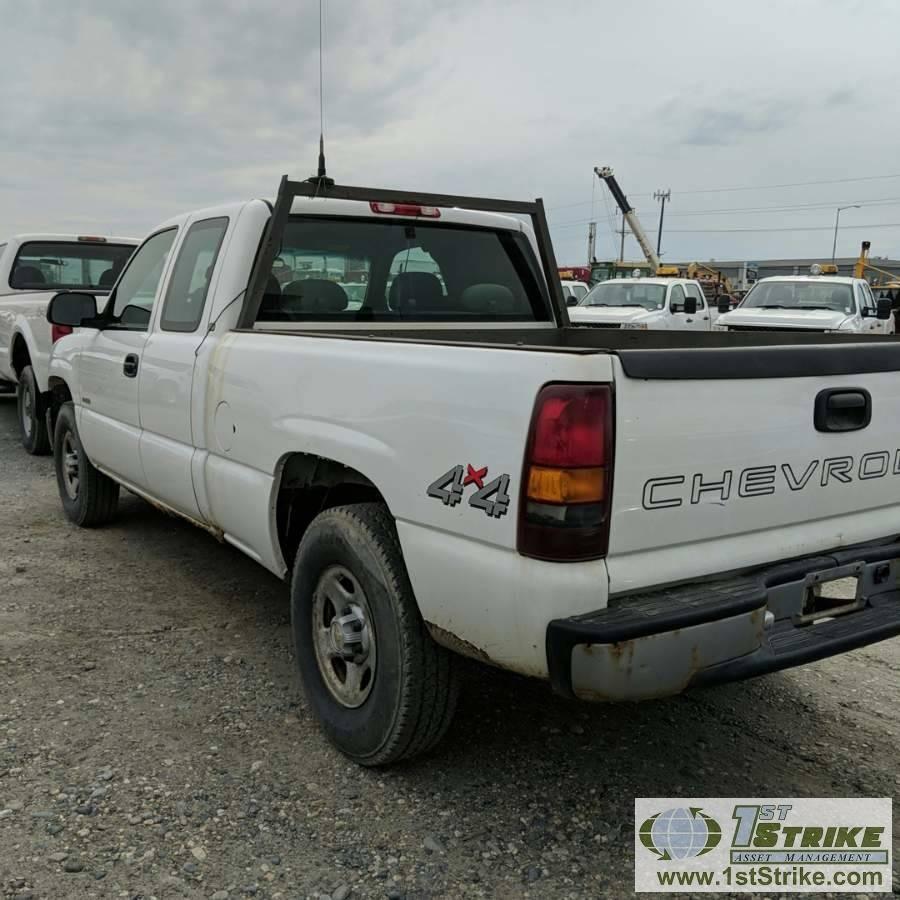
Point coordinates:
[[395, 271], [192, 274]]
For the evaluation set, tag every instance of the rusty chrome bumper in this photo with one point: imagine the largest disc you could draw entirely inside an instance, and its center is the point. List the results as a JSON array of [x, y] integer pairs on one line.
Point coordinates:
[[662, 642]]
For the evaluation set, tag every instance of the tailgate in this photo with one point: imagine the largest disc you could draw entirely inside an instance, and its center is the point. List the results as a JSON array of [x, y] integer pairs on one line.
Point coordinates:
[[718, 474]]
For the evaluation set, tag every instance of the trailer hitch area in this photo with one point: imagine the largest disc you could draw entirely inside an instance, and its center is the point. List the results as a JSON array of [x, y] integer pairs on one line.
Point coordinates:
[[831, 593]]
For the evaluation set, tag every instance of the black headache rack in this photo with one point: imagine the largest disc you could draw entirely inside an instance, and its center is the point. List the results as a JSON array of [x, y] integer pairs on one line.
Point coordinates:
[[288, 190]]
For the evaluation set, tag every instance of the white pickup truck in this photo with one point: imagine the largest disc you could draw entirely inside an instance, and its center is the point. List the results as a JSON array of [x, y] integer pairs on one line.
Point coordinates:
[[449, 468], [33, 267], [810, 303], [664, 304], [573, 291]]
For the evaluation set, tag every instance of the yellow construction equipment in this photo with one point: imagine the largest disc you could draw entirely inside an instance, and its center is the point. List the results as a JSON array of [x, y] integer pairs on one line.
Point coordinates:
[[862, 265], [859, 270], [712, 282]]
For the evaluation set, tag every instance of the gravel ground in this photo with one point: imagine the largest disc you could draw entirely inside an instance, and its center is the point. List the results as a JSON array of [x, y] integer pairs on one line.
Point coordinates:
[[154, 742]]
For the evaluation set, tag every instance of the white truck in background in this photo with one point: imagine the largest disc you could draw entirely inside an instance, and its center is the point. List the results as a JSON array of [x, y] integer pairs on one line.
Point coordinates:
[[33, 267], [659, 304], [447, 467], [573, 291], [814, 302]]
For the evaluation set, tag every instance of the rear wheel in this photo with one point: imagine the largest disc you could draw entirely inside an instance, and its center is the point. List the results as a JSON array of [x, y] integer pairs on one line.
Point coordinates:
[[382, 689], [89, 497], [32, 427]]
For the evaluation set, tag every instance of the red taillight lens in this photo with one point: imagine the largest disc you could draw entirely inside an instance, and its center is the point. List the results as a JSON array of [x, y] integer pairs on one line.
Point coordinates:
[[569, 426], [59, 331], [564, 509], [405, 209]]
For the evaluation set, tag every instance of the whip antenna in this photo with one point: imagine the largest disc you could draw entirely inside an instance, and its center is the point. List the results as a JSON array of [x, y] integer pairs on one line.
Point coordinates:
[[320, 178]]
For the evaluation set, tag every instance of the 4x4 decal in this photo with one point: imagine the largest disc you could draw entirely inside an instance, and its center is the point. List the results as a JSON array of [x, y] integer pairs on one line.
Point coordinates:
[[492, 497]]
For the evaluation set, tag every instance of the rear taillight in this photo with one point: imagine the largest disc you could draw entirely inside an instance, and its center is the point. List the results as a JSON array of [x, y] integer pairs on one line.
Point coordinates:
[[564, 508], [59, 331], [405, 209]]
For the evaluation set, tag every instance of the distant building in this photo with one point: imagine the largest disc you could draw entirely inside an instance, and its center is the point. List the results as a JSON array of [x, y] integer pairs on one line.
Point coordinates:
[[744, 272]]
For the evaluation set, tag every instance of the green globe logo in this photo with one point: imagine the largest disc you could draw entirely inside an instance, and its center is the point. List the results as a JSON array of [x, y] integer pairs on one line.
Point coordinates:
[[680, 833]]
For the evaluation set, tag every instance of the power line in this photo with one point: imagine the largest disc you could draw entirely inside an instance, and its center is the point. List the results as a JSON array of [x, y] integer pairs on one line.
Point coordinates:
[[750, 187], [883, 201], [796, 228], [767, 187], [766, 230], [787, 208], [808, 207]]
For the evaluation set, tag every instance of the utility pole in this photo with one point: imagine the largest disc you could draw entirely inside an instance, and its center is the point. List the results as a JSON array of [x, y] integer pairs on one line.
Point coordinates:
[[592, 242], [662, 196]]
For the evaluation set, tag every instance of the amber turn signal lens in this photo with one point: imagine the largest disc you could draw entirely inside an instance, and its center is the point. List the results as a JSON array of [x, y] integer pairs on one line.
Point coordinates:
[[562, 486]]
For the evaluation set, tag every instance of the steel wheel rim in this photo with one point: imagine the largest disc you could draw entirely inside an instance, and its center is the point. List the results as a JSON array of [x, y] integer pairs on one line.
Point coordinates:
[[27, 410], [344, 637], [70, 466]]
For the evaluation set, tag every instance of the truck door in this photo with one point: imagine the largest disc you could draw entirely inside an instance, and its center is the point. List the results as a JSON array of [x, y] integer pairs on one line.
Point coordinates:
[[679, 320], [167, 369], [701, 319], [868, 311], [109, 421]]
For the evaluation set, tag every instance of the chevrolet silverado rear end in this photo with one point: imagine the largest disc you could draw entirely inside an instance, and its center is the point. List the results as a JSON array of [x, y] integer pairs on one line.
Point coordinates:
[[753, 518]]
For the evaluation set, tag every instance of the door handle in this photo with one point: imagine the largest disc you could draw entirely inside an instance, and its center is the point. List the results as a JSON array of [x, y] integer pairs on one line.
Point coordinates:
[[842, 409], [689, 320], [130, 366]]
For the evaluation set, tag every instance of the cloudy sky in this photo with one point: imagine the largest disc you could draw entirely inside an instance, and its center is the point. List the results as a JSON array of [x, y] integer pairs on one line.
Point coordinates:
[[119, 113]]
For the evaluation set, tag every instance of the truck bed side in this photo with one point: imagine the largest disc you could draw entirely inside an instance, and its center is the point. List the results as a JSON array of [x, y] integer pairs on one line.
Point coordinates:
[[403, 415]]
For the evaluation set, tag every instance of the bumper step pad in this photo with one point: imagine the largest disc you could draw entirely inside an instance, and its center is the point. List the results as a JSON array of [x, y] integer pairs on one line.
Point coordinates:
[[664, 617]]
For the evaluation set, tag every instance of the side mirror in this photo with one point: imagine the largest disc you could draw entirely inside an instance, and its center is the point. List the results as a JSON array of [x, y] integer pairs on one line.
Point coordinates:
[[884, 308], [690, 305], [724, 303], [72, 308], [571, 301]]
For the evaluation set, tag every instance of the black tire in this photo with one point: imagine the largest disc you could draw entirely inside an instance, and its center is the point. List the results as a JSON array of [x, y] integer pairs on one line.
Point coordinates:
[[95, 496], [30, 409], [415, 685]]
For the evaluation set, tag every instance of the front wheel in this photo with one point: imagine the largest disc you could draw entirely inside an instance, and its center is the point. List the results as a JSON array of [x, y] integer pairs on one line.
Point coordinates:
[[89, 497], [32, 427], [380, 686]]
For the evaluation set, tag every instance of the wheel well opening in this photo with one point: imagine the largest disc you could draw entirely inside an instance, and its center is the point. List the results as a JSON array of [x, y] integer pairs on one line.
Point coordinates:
[[57, 394], [309, 485], [20, 355]]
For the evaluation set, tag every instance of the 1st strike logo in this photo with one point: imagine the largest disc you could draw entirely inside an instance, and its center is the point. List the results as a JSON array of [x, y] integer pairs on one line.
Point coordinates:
[[491, 497]]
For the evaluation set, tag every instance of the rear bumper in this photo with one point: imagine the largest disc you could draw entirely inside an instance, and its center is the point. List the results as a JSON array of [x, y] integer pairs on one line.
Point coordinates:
[[662, 642]]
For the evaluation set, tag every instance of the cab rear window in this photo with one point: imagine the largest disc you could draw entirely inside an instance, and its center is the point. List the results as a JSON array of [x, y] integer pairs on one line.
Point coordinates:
[[68, 265], [395, 271]]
